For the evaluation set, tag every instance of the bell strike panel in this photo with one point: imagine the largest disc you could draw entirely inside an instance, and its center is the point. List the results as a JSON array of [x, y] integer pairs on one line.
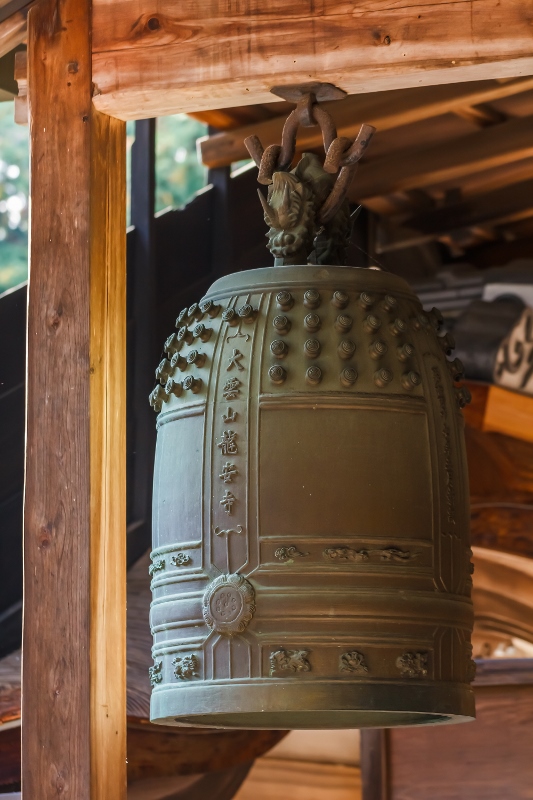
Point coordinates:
[[311, 564]]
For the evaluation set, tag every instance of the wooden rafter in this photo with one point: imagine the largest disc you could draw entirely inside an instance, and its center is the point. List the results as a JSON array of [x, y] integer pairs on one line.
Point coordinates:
[[13, 31], [421, 167], [496, 207]]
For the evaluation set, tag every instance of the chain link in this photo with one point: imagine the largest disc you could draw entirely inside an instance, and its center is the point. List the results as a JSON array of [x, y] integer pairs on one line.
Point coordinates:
[[342, 155]]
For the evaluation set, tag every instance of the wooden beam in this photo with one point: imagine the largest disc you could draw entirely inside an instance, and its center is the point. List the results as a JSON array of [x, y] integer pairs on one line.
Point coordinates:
[[74, 709], [504, 526], [421, 167], [510, 413], [374, 764], [13, 31], [383, 110], [491, 180], [283, 777], [190, 56]]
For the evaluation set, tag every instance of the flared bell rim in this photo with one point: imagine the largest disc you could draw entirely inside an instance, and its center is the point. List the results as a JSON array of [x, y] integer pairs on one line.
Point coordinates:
[[284, 706]]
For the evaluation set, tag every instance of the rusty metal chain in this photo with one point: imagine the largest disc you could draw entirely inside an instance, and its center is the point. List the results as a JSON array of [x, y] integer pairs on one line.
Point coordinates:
[[342, 155]]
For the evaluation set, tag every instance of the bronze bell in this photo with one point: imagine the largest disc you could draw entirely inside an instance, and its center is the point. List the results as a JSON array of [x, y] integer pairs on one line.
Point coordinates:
[[311, 561]]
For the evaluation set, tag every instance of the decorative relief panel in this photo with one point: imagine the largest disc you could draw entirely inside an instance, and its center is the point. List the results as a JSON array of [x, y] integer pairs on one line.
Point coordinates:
[[289, 553], [413, 665], [289, 661], [156, 673], [354, 662], [180, 559], [344, 554], [228, 604], [227, 531], [185, 666], [157, 565]]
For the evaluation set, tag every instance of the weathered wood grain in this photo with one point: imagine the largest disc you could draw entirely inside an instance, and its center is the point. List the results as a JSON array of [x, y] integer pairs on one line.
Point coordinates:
[[191, 56], [383, 110], [271, 778], [74, 720]]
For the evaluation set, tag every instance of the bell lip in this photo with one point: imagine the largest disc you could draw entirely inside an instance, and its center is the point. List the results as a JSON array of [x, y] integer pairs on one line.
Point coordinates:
[[383, 705], [307, 276]]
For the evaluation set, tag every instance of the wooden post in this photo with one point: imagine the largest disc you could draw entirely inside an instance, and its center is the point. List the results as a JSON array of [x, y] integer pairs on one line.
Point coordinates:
[[374, 764], [74, 671]]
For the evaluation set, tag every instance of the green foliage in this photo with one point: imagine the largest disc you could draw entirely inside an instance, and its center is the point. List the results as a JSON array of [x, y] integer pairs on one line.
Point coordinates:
[[179, 174], [14, 175], [178, 177]]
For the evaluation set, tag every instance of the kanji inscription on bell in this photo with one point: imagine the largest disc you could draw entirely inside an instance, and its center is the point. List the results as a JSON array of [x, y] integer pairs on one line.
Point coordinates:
[[228, 443]]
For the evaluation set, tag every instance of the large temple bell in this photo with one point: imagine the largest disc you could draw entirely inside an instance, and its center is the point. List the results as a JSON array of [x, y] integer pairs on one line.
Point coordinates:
[[311, 562]]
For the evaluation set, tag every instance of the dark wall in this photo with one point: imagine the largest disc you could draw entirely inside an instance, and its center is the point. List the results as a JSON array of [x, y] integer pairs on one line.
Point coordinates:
[[12, 369]]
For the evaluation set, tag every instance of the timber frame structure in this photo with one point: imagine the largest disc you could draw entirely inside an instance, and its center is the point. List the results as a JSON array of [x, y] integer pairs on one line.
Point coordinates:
[[90, 67]]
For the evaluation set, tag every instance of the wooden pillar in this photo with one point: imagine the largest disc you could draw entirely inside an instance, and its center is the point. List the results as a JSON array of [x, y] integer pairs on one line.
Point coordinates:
[[374, 764], [74, 671]]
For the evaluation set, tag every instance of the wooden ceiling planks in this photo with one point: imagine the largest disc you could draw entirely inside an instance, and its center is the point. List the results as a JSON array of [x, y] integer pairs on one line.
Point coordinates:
[[502, 205], [227, 118], [421, 167], [180, 57], [447, 144]]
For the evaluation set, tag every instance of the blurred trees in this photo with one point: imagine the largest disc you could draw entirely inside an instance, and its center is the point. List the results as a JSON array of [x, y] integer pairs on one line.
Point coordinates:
[[178, 177], [13, 199]]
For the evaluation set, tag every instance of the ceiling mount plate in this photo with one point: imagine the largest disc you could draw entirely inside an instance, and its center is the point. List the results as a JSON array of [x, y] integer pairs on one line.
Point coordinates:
[[322, 91]]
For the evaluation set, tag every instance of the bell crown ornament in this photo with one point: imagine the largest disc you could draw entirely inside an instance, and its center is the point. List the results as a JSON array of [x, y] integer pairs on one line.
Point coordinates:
[[311, 558]]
